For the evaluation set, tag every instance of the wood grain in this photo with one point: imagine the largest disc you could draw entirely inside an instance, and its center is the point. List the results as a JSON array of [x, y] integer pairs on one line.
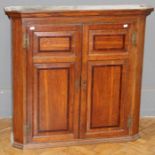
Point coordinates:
[[96, 102], [19, 84], [110, 38], [55, 44], [51, 116], [106, 42], [105, 103], [78, 77], [107, 113], [53, 40], [49, 119]]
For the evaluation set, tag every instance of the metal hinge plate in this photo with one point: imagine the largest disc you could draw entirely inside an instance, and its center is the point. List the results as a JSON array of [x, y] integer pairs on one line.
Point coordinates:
[[129, 123], [25, 40]]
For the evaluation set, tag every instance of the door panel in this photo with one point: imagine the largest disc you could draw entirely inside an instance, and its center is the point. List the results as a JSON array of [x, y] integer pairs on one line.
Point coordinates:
[[105, 92], [105, 109], [108, 38], [51, 116], [107, 42], [104, 88], [55, 40], [55, 43], [54, 60], [53, 102]]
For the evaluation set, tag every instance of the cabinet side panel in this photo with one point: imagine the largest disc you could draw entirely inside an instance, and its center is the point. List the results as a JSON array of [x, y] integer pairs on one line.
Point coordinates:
[[137, 67], [18, 80]]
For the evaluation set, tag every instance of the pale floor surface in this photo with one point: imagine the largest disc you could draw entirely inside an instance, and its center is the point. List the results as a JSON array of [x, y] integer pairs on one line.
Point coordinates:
[[143, 146]]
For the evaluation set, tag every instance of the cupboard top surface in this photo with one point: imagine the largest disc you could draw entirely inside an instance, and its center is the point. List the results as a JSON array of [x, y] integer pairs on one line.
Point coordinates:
[[73, 8], [28, 11]]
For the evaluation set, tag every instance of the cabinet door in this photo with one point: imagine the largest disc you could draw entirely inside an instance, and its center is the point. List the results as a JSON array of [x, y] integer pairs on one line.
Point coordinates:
[[53, 82], [105, 67]]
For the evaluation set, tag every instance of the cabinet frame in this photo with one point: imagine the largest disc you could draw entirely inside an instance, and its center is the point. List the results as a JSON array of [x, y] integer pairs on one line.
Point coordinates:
[[22, 21]]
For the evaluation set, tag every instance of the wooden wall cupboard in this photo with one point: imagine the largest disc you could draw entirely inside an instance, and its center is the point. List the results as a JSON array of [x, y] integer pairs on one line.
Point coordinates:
[[76, 74]]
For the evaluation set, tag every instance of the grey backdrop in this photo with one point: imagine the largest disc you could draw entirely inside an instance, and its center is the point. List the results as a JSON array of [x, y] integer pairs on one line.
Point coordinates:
[[148, 87]]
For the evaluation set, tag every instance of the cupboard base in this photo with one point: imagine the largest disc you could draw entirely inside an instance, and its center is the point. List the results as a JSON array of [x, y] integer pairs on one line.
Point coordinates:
[[76, 142]]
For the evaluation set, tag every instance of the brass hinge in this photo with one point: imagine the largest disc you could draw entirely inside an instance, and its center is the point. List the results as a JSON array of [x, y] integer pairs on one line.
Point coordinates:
[[25, 40], [134, 38], [129, 123]]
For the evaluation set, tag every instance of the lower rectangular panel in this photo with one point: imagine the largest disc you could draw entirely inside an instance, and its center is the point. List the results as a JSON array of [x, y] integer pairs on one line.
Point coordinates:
[[53, 94], [105, 106], [105, 96], [54, 105]]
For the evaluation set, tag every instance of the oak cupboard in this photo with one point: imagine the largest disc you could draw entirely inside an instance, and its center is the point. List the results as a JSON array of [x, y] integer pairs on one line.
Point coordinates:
[[76, 73]]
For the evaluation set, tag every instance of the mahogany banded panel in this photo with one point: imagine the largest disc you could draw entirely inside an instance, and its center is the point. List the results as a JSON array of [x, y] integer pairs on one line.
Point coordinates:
[[108, 38], [108, 42], [56, 40], [53, 102], [51, 116], [106, 92], [105, 99], [61, 43]]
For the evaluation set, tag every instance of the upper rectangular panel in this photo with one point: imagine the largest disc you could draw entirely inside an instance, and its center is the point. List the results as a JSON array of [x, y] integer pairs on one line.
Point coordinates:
[[61, 43], [55, 40], [108, 38], [105, 42]]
